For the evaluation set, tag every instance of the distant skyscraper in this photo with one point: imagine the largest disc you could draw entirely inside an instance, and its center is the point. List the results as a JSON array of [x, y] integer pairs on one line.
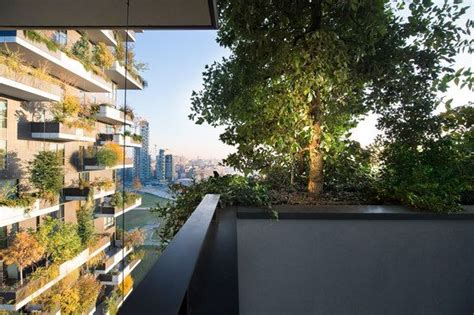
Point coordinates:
[[142, 165], [169, 168], [160, 166]]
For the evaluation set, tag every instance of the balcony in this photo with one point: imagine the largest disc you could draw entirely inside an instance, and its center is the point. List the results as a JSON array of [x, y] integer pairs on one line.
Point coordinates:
[[11, 215], [120, 139], [111, 211], [110, 115], [14, 297], [112, 257], [91, 164], [24, 86], [56, 131], [313, 260], [59, 64], [119, 75], [117, 274], [105, 36], [77, 193], [131, 35]]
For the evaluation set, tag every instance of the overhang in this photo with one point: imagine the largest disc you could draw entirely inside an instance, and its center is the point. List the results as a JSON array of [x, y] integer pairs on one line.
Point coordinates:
[[107, 14]]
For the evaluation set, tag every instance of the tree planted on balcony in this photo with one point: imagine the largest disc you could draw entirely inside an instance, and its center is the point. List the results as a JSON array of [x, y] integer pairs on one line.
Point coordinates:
[[85, 223], [61, 240], [24, 251], [126, 285], [103, 57], [302, 73], [89, 288], [46, 174], [109, 155]]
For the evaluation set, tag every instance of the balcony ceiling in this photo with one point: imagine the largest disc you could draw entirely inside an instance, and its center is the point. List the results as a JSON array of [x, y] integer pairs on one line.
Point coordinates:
[[144, 14]]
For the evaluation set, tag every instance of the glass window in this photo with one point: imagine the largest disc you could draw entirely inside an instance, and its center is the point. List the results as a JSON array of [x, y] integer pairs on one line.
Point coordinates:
[[59, 148], [3, 114], [108, 222], [60, 37], [3, 154], [59, 214], [3, 237]]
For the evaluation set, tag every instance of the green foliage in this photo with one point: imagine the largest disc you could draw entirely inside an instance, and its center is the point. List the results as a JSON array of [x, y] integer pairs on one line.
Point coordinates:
[[234, 190], [102, 56], [40, 38], [119, 199], [85, 223], [61, 240], [82, 49], [431, 173], [46, 174], [9, 197], [107, 157]]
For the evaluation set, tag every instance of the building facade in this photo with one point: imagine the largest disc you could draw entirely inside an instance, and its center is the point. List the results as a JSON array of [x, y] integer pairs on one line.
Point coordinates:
[[169, 168], [58, 93], [142, 168], [160, 166]]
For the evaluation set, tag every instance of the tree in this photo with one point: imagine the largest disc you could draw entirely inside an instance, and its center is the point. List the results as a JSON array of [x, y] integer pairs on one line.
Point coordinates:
[[89, 289], [24, 251], [126, 285], [61, 240], [137, 185], [300, 74], [46, 174], [134, 238], [110, 154], [421, 160], [85, 223]]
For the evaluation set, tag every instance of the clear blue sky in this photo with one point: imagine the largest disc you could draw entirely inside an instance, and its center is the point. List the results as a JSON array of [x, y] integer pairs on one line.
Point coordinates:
[[176, 60]]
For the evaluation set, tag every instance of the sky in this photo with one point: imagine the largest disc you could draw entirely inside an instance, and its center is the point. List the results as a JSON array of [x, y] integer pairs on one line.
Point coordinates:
[[176, 60]]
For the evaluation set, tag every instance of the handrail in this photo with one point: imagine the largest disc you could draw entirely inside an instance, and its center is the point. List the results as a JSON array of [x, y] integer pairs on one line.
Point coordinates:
[[164, 289]]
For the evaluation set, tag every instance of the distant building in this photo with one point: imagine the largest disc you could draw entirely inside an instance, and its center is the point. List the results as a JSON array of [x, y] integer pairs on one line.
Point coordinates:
[[142, 165], [169, 168], [160, 166]]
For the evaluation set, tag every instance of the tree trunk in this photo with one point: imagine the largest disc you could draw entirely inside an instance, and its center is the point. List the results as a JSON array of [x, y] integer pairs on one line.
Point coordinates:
[[21, 275], [315, 178]]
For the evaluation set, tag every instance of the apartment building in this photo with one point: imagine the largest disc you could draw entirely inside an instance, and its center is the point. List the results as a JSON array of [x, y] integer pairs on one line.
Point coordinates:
[[142, 167], [58, 93]]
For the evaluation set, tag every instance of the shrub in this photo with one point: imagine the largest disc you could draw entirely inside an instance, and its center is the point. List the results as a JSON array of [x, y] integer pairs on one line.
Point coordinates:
[[46, 174], [68, 108], [10, 198], [85, 223], [41, 38], [82, 49], [126, 285], [89, 289], [102, 56], [109, 155], [234, 190], [61, 240]]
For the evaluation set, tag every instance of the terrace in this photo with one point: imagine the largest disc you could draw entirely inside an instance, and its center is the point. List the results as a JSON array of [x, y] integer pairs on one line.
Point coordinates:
[[10, 215], [119, 272], [57, 131], [92, 164], [124, 78], [120, 139], [83, 193], [105, 36], [110, 115], [112, 257], [25, 86], [107, 210], [59, 63], [240, 260]]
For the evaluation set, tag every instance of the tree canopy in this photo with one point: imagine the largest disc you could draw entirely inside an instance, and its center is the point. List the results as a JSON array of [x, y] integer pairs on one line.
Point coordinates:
[[302, 73]]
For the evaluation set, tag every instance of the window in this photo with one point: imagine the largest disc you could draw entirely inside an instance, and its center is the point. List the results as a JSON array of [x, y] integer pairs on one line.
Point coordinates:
[[59, 148], [3, 114], [3, 154], [60, 37], [59, 214], [84, 176], [108, 222], [3, 237]]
